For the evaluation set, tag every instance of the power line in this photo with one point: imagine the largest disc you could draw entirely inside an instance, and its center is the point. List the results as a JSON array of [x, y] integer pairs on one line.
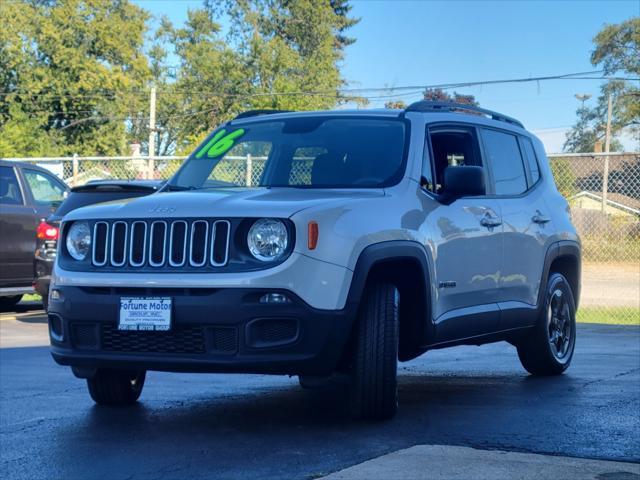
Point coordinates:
[[382, 93], [353, 91]]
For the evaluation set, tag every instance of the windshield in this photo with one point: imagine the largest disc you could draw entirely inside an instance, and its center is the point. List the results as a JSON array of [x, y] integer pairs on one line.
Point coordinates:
[[303, 152]]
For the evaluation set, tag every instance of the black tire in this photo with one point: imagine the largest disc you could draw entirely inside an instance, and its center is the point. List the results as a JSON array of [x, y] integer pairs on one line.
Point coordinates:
[[374, 386], [549, 348], [116, 387], [9, 303]]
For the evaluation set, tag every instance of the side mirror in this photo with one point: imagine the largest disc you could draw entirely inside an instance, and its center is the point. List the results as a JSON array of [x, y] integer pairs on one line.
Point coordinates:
[[464, 181]]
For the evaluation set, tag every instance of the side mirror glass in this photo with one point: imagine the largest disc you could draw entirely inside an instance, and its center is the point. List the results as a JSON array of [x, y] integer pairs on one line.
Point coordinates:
[[464, 181]]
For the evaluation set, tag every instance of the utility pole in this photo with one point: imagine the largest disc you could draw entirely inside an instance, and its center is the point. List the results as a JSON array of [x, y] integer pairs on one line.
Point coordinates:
[[607, 146], [152, 133]]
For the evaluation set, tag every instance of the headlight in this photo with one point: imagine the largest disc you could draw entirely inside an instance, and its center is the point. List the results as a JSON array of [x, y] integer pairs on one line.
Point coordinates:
[[267, 239], [79, 240]]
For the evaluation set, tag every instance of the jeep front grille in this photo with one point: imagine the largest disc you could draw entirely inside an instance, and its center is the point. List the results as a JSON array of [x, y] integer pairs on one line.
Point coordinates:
[[156, 243]]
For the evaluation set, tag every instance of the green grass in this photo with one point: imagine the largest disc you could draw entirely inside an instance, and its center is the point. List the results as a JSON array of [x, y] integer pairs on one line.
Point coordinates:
[[34, 297], [609, 315]]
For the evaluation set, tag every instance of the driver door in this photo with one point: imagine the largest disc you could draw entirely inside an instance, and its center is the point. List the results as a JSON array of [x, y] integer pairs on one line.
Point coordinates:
[[466, 238]]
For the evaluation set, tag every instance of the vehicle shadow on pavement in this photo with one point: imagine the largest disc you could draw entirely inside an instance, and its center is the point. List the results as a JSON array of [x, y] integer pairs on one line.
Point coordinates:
[[208, 426], [273, 418], [33, 317], [28, 312], [422, 397]]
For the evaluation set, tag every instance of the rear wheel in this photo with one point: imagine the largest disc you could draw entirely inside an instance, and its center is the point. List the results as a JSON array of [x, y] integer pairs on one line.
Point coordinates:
[[549, 348], [116, 387], [8, 303], [374, 387]]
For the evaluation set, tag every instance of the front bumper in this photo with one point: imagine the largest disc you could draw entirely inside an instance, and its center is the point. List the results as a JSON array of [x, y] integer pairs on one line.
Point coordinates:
[[213, 330]]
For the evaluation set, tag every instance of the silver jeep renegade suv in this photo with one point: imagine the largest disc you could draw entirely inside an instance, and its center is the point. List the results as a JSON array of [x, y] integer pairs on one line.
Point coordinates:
[[321, 243]]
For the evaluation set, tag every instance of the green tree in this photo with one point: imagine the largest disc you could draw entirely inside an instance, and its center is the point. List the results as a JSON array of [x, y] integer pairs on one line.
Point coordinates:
[[582, 137], [439, 95], [73, 76], [205, 90], [276, 54], [289, 46], [564, 177], [617, 52]]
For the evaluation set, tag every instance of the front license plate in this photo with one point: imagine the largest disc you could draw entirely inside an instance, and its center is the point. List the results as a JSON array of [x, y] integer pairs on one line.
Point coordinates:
[[145, 313]]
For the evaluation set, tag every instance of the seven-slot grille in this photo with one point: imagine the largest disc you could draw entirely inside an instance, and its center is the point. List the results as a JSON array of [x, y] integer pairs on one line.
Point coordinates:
[[157, 243]]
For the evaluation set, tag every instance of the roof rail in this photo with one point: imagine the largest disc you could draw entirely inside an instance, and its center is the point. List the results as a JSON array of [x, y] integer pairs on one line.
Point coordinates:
[[428, 106], [255, 113]]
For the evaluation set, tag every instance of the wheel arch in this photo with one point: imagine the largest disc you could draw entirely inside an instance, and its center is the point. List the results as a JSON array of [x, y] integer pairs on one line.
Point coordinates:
[[407, 265], [565, 258]]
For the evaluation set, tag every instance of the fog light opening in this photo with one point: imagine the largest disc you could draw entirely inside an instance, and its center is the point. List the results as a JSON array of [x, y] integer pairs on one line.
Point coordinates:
[[55, 328], [55, 295], [272, 298]]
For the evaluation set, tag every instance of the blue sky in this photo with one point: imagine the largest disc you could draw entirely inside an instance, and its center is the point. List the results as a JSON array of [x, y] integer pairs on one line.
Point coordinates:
[[403, 43]]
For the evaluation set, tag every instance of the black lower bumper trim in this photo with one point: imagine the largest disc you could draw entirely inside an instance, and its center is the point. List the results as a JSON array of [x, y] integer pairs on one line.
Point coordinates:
[[213, 330]]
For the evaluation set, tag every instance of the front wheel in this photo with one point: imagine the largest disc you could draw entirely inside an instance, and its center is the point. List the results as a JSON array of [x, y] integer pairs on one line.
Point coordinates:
[[116, 387], [549, 348], [374, 386]]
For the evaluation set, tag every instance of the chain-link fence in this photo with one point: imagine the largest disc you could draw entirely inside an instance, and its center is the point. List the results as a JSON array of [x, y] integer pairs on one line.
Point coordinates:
[[243, 170], [603, 191], [604, 194]]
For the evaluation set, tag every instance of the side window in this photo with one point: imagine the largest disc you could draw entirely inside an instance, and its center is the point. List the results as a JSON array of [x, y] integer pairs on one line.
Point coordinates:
[[531, 159], [504, 157], [9, 188], [450, 148], [45, 190]]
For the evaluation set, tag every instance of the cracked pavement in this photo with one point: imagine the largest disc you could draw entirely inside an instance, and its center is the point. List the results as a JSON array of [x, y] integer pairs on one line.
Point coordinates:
[[248, 426]]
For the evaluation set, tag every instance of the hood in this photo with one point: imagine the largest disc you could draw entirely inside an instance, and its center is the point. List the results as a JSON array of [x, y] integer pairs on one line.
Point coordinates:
[[222, 203]]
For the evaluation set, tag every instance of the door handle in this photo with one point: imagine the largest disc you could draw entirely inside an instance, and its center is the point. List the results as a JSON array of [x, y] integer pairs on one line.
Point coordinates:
[[490, 221], [540, 218]]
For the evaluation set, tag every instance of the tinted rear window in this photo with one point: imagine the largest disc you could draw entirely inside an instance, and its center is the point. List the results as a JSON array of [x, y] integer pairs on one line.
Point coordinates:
[[505, 159], [531, 158]]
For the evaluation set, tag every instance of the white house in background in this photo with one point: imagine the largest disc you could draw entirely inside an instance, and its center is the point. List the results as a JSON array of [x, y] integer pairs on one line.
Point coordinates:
[[616, 204]]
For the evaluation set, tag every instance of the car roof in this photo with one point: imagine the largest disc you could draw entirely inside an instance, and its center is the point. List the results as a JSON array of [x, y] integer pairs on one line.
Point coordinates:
[[33, 166], [281, 115], [431, 116]]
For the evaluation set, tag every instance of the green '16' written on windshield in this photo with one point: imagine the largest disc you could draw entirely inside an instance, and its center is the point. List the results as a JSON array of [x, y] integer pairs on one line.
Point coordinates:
[[220, 143]]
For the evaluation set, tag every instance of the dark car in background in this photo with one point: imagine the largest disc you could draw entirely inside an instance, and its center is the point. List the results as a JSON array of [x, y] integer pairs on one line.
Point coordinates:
[[98, 191], [28, 193]]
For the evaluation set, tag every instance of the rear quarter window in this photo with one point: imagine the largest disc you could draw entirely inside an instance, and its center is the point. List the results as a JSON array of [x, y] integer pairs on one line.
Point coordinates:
[[505, 160], [532, 160]]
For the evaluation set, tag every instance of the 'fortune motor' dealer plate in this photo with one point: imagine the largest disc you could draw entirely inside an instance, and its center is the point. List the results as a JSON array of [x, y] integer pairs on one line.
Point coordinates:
[[145, 313]]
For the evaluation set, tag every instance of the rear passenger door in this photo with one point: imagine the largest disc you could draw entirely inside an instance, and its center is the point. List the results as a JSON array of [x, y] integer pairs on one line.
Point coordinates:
[[526, 222]]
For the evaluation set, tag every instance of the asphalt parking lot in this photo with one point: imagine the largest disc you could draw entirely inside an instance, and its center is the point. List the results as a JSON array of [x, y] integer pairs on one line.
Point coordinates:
[[253, 426]]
